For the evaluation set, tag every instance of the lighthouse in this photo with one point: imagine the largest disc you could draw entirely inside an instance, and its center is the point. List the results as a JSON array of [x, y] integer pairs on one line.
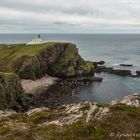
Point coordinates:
[[36, 41]]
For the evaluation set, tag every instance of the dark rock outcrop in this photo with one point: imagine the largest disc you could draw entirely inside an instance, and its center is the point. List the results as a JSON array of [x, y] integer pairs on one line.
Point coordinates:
[[11, 93], [70, 64], [122, 72]]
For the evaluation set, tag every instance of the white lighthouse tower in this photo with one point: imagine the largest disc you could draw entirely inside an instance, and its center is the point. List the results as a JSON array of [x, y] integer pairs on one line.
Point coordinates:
[[35, 41]]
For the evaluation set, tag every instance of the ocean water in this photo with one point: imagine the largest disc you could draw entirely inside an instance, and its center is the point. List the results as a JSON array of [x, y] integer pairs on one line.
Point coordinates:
[[112, 48]]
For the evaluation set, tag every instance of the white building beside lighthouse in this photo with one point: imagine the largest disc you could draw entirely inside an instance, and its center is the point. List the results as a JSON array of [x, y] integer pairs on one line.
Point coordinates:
[[35, 41]]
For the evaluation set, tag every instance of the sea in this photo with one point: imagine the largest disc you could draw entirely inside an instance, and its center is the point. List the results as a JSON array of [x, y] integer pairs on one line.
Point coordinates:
[[114, 49]]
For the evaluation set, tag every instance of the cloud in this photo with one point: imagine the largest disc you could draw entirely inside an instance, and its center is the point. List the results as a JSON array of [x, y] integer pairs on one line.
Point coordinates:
[[69, 16]]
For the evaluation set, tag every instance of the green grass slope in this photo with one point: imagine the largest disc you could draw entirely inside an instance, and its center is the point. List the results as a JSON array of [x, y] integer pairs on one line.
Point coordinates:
[[10, 53]]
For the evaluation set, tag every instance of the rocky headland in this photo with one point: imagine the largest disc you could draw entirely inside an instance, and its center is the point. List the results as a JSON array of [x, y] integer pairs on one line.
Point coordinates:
[[30, 64], [30, 74]]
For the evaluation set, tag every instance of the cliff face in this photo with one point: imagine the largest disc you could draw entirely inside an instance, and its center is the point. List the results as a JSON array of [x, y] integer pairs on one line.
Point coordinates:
[[11, 93], [59, 59], [70, 64]]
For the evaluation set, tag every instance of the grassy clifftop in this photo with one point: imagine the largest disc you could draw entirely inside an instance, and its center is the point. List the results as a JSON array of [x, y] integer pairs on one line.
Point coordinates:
[[33, 61], [10, 53]]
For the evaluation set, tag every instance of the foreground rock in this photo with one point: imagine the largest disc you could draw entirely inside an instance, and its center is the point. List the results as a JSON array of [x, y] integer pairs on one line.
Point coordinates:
[[74, 112], [85, 120]]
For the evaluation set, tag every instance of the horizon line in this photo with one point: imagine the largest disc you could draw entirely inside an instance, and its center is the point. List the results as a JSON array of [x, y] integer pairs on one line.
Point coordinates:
[[71, 33]]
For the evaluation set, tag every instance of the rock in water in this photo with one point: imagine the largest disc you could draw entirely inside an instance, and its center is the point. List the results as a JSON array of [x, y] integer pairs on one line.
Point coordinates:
[[99, 63], [126, 65]]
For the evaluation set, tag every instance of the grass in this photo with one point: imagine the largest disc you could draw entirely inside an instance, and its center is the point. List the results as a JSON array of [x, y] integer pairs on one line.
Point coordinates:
[[14, 51], [8, 75]]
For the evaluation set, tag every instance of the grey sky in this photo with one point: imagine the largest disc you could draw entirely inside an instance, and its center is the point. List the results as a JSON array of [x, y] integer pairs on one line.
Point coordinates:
[[69, 16]]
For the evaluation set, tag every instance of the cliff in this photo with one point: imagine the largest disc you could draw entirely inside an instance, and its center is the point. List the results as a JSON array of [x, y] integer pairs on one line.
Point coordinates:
[[11, 93], [32, 62], [90, 121]]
